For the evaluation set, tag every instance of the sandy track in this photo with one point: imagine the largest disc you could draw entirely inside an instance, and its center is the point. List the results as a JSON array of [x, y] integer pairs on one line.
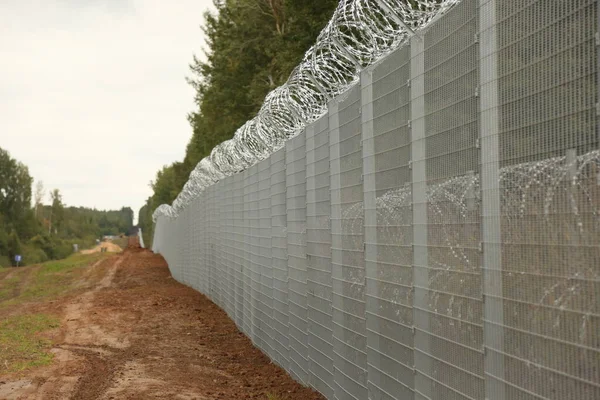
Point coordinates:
[[138, 334]]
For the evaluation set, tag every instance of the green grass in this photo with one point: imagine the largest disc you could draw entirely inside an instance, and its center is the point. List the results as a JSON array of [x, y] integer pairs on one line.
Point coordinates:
[[48, 280], [56, 277], [21, 347], [271, 396], [8, 286]]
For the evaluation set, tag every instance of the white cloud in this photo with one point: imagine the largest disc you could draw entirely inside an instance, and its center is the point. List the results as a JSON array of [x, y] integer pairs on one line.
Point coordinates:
[[92, 95]]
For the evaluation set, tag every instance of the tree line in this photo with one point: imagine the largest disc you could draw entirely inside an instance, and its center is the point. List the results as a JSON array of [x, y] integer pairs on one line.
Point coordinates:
[[252, 47], [42, 232]]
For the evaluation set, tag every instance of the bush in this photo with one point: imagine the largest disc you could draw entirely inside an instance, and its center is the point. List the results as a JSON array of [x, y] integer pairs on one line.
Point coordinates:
[[62, 250], [41, 248], [4, 261], [14, 245], [53, 247], [34, 255]]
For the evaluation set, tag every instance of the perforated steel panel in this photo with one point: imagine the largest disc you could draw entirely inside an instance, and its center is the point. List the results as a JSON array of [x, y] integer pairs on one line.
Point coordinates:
[[279, 260], [450, 351], [263, 258], [248, 314], [547, 91], [388, 226], [295, 169], [227, 246], [204, 231], [253, 271], [213, 226], [184, 250], [347, 255], [221, 277], [318, 255], [238, 251]]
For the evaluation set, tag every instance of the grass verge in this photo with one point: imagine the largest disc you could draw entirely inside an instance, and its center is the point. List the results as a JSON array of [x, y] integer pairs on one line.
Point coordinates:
[[8, 287], [21, 347], [44, 281], [55, 277]]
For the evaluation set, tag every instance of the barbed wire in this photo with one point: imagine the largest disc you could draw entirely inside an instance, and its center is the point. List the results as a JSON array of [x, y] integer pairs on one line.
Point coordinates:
[[551, 204], [359, 34]]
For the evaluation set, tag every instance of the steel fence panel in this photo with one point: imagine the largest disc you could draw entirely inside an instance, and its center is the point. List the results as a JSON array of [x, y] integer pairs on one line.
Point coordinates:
[[547, 137], [295, 169], [218, 248], [238, 242], [183, 244], [212, 264], [347, 254], [279, 259], [318, 256], [388, 226], [220, 244], [202, 244], [264, 273], [190, 267], [247, 245], [206, 220], [224, 197], [230, 245], [192, 251], [450, 339], [253, 272]]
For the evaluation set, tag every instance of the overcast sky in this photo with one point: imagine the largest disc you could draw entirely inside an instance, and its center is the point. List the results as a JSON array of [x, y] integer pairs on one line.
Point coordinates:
[[93, 97]]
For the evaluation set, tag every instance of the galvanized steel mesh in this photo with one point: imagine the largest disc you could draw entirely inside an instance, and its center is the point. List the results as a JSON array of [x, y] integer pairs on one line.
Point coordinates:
[[436, 233]]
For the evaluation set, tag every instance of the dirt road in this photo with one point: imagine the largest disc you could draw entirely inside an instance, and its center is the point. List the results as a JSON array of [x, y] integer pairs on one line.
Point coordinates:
[[135, 333]]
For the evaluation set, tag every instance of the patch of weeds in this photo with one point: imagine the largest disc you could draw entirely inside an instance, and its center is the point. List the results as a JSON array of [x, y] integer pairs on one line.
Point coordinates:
[[8, 286], [56, 277], [271, 396], [21, 347]]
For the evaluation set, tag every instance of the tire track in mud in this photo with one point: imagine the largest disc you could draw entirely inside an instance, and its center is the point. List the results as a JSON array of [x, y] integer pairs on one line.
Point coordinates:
[[79, 329], [136, 333], [102, 351], [24, 275]]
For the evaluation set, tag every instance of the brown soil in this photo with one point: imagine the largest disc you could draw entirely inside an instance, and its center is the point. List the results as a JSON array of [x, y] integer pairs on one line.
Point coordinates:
[[109, 246], [136, 333]]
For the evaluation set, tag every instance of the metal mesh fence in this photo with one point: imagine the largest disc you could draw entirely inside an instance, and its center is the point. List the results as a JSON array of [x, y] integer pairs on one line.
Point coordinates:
[[437, 234], [279, 259], [450, 338], [347, 245], [295, 170], [238, 250], [388, 226], [318, 257]]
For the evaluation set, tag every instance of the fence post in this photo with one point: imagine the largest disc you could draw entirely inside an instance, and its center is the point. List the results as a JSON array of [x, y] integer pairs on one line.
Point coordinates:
[[280, 257], [336, 215], [296, 249], [369, 187], [493, 313], [419, 202]]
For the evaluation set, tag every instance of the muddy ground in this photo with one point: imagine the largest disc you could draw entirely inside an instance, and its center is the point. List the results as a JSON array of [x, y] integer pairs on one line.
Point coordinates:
[[133, 332]]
